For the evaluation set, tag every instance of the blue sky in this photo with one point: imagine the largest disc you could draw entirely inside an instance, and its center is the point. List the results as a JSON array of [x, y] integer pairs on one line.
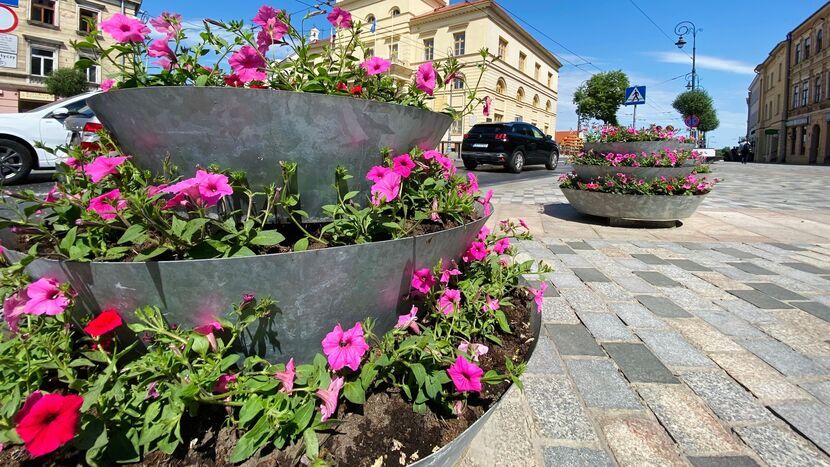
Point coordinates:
[[612, 34]]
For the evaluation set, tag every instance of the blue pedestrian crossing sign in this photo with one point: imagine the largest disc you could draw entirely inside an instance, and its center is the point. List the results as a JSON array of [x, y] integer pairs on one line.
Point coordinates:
[[635, 95]]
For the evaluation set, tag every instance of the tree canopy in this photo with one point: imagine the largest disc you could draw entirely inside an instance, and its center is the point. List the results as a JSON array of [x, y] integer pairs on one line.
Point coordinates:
[[66, 82], [698, 102], [601, 96]]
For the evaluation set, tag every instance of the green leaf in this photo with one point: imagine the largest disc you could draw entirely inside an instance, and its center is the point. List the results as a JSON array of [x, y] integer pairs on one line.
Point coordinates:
[[69, 239], [152, 254], [367, 375], [354, 392], [312, 445], [303, 415], [301, 245], [392, 225], [419, 373], [201, 80], [193, 226], [268, 238], [133, 234], [251, 441], [250, 409], [502, 320], [228, 361]]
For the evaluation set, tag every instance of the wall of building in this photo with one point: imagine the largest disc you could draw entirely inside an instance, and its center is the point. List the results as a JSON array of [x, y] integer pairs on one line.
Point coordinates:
[[769, 143]]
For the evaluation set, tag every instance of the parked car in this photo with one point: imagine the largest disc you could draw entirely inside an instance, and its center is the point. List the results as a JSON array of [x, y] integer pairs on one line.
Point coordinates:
[[83, 129], [19, 132], [512, 144]]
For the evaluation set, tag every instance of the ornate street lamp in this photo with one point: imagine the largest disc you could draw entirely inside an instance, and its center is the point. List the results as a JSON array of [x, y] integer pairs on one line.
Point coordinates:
[[683, 28]]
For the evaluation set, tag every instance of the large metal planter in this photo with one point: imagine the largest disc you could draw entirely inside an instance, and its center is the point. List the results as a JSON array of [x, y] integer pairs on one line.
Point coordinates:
[[453, 451], [590, 172], [314, 289], [637, 147], [633, 207], [254, 129]]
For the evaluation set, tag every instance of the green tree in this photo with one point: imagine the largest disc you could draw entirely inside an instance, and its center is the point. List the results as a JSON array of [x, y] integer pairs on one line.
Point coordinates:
[[601, 96], [66, 82], [698, 102]]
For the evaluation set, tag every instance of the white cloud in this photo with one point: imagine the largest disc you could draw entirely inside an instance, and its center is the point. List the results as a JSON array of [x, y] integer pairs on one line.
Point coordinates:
[[707, 61]]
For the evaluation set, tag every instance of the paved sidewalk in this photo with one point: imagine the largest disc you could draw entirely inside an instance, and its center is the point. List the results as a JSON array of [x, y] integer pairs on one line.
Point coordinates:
[[664, 353]]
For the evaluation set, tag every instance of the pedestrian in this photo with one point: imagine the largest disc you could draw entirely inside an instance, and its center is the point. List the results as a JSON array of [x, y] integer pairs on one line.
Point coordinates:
[[734, 153], [745, 152]]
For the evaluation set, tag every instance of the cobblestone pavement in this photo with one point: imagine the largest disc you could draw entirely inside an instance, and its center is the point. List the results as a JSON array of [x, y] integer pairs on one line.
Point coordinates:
[[666, 353]]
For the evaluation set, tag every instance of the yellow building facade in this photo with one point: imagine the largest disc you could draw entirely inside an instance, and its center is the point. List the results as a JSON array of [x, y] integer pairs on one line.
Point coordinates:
[[523, 82], [41, 43], [772, 73]]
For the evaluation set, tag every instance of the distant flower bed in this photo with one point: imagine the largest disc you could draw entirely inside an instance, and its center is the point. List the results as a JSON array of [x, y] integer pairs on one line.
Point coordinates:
[[664, 158], [626, 185], [615, 134]]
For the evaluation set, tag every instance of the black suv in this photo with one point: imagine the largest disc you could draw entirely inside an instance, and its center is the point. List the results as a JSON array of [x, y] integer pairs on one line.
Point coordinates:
[[511, 144]]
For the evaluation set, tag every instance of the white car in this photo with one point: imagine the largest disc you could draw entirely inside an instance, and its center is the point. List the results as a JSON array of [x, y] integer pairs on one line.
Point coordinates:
[[19, 133]]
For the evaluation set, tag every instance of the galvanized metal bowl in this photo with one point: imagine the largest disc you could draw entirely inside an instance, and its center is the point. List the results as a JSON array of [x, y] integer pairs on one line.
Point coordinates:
[[254, 129], [633, 207], [314, 289]]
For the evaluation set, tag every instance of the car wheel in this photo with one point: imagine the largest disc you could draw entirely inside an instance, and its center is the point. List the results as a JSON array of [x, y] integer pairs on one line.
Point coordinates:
[[516, 162], [16, 161], [470, 165], [553, 160]]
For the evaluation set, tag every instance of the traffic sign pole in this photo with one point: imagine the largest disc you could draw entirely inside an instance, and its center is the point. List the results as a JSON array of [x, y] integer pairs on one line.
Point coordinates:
[[634, 123]]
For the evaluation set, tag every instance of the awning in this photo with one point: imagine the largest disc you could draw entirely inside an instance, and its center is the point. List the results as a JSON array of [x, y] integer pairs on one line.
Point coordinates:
[[770, 131]]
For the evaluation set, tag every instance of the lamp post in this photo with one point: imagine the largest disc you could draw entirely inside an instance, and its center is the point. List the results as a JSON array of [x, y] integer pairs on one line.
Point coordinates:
[[683, 28]]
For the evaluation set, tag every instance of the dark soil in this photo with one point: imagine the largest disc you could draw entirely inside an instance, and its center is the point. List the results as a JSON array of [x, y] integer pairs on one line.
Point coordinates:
[[385, 428]]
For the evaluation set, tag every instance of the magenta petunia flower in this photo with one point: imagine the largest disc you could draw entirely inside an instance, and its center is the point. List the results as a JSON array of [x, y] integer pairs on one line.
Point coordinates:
[[377, 172], [409, 320], [248, 64], [271, 33], [449, 301], [164, 63], [491, 304], [169, 24], [432, 154], [488, 104], [13, 306], [286, 376], [108, 204], [538, 295], [472, 184], [423, 280], [53, 195], [222, 383], [125, 29], [329, 397], [403, 165], [375, 66], [477, 350], [386, 189], [208, 330], [45, 298], [476, 252], [212, 187], [425, 78], [448, 273], [264, 14], [486, 202], [465, 375], [160, 48], [107, 84], [340, 18], [483, 233], [103, 166], [501, 245], [345, 349]]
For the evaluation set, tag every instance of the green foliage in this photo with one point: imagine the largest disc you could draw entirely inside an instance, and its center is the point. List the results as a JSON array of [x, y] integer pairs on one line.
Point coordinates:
[[626, 185], [698, 102], [66, 82], [601, 96]]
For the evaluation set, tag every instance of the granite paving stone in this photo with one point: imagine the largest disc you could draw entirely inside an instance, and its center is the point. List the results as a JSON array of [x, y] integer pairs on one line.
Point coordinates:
[[545, 359], [726, 398], [787, 246], [649, 258], [611, 292], [688, 265], [673, 350], [601, 385], [636, 441], [723, 461], [579, 245], [816, 309], [776, 291], [783, 358], [690, 300], [778, 446], [704, 336], [566, 280], [606, 327], [729, 324], [573, 339], [741, 254], [759, 299], [636, 315], [559, 456], [761, 379], [638, 364], [746, 311], [584, 300], [655, 278], [691, 425], [662, 306], [507, 437], [556, 411], [752, 268], [634, 284], [561, 249], [808, 268], [590, 275], [820, 389], [811, 419], [557, 310], [719, 280]]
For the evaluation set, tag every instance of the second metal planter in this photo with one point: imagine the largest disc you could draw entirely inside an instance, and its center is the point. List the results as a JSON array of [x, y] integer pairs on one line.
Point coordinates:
[[633, 207]]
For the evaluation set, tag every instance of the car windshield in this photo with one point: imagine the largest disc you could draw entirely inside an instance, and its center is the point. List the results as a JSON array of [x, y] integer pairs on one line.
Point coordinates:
[[44, 106], [487, 129]]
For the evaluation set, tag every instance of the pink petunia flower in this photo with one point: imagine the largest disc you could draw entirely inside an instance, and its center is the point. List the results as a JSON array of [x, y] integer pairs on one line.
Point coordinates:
[[248, 64], [377, 172], [386, 189], [476, 349], [539, 295], [472, 184], [483, 233], [491, 304], [53, 195], [340, 18], [108, 204], [286, 376], [107, 84], [375, 66], [212, 187], [466, 376], [423, 280], [486, 202], [208, 330], [13, 307], [103, 166], [403, 165], [434, 215], [409, 321], [152, 391], [345, 349], [270, 34], [432, 154], [449, 301], [501, 245], [425, 78], [488, 104], [160, 48], [125, 29], [45, 298], [164, 63], [523, 224], [222, 383], [169, 24], [448, 273], [476, 252], [329, 397], [264, 14]]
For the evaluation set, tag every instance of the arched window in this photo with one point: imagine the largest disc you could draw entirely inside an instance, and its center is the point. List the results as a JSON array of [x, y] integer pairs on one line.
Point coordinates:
[[370, 19], [458, 82], [547, 106], [395, 11], [536, 100], [501, 86], [520, 95], [820, 38]]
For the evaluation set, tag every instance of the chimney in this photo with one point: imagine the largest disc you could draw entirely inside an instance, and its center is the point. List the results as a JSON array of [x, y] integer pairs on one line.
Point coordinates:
[[314, 34]]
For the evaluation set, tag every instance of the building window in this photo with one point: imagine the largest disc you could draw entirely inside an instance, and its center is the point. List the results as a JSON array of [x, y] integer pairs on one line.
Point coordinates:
[[502, 48], [817, 89], [458, 43], [87, 19], [795, 95], [522, 61], [777, 103], [501, 86], [520, 95], [458, 83], [779, 72], [803, 148], [92, 74], [429, 49], [547, 106], [819, 39], [550, 80], [536, 101], [806, 47], [395, 11], [43, 11], [393, 51], [797, 53], [805, 92], [42, 60], [498, 117], [518, 118], [537, 72], [370, 52]]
